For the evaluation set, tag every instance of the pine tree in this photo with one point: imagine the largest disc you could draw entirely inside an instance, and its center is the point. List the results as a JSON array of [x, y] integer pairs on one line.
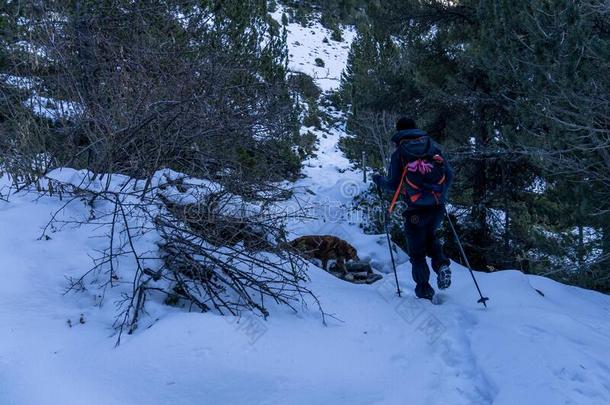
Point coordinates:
[[209, 75], [553, 62], [508, 87]]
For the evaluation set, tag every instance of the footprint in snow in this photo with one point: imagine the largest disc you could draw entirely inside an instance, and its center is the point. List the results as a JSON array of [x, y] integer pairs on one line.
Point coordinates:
[[461, 372]]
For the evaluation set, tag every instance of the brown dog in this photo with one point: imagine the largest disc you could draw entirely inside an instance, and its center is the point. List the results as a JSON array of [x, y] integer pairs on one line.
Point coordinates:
[[325, 248]]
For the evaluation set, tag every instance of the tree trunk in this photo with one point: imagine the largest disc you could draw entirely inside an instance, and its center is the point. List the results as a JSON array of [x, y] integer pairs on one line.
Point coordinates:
[[479, 196], [581, 248], [606, 241]]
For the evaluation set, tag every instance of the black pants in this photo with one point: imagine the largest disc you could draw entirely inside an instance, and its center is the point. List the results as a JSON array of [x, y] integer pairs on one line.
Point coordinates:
[[420, 227]]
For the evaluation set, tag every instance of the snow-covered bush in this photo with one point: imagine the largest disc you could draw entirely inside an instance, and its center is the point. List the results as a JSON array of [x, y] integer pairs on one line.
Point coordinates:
[[184, 242]]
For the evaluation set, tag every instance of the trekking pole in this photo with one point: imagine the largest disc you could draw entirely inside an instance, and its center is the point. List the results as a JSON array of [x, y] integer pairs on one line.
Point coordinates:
[[387, 234], [482, 300]]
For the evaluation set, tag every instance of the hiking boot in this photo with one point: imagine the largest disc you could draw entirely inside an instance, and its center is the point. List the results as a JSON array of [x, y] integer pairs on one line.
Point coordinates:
[[443, 280], [424, 291]]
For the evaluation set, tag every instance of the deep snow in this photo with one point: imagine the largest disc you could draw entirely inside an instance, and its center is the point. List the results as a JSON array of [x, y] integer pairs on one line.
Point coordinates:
[[379, 349]]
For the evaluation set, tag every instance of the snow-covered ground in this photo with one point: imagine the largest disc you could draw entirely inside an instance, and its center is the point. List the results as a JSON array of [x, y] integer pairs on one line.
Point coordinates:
[[305, 44], [376, 349]]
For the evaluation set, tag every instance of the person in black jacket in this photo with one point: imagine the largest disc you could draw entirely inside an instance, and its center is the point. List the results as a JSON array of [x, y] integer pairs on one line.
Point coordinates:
[[425, 210]]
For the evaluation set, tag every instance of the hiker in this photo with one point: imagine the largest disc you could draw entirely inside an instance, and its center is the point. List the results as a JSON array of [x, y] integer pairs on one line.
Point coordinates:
[[419, 173]]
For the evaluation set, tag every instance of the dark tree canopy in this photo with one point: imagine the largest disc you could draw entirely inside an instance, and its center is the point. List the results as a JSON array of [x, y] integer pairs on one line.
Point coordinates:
[[518, 92]]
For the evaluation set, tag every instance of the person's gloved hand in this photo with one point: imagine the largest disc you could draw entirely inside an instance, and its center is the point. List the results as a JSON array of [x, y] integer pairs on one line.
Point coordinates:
[[377, 178]]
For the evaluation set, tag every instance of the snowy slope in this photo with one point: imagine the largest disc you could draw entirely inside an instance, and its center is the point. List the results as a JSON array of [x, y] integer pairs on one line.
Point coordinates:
[[525, 348], [305, 44], [378, 348]]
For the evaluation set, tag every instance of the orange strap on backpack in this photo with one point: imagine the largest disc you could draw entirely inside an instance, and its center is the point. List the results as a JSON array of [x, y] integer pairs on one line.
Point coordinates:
[[397, 192]]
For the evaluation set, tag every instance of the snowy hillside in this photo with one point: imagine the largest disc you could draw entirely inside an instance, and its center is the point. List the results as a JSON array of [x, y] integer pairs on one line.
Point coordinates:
[[377, 348], [306, 44]]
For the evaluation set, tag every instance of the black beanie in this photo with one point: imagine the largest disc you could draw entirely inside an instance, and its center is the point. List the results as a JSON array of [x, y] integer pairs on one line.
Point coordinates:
[[405, 123]]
